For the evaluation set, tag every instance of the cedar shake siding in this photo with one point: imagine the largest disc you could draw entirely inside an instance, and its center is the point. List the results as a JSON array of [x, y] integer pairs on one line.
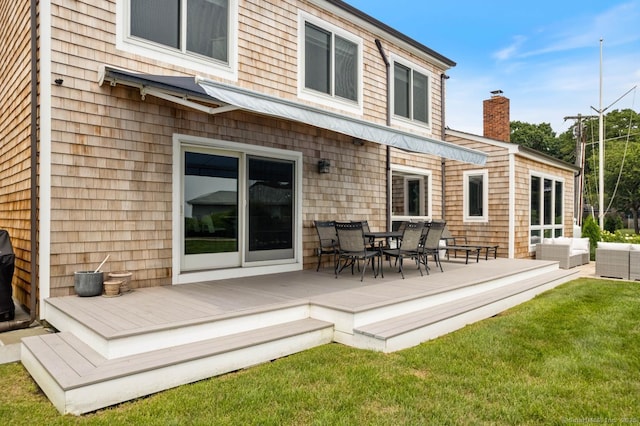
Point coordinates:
[[15, 138], [496, 229], [111, 183], [111, 169]]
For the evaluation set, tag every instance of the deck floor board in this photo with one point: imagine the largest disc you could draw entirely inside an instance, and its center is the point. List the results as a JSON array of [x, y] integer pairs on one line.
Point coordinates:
[[156, 307]]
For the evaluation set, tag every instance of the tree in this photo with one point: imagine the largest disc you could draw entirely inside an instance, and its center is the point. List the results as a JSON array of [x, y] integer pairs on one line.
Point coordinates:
[[622, 177], [621, 159], [540, 137]]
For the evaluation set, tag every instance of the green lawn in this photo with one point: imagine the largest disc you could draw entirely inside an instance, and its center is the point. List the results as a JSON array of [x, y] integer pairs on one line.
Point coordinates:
[[570, 356]]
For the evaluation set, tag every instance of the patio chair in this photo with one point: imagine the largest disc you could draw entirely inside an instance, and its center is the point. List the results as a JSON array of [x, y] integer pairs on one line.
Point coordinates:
[[410, 246], [328, 240], [353, 248], [366, 230], [431, 243]]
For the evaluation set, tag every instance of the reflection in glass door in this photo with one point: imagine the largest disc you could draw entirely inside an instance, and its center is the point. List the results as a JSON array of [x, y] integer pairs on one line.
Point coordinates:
[[270, 189], [210, 210]]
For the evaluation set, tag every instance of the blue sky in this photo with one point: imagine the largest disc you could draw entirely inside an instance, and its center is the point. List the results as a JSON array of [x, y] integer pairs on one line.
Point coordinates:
[[544, 57]]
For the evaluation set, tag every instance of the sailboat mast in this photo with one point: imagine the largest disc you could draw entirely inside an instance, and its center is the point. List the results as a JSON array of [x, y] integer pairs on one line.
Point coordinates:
[[601, 151]]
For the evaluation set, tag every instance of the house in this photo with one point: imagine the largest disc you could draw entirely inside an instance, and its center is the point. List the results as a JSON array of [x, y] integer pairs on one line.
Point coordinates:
[[200, 143], [138, 115], [119, 127], [517, 198]]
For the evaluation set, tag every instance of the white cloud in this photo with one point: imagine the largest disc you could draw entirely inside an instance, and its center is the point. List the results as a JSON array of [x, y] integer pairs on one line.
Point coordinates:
[[618, 24], [510, 51]]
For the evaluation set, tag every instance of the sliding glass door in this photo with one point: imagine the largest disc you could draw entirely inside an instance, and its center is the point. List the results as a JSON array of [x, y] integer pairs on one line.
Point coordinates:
[[210, 203], [270, 194], [238, 209]]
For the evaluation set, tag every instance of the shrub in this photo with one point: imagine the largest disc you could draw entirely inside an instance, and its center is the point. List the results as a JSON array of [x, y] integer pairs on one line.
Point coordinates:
[[591, 230], [613, 222]]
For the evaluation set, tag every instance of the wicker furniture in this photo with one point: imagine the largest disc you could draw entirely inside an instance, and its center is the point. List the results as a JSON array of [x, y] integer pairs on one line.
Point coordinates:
[[613, 259], [634, 263], [569, 252]]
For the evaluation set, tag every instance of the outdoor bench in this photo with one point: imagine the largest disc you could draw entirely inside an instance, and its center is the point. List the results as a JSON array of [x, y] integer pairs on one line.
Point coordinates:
[[471, 248]]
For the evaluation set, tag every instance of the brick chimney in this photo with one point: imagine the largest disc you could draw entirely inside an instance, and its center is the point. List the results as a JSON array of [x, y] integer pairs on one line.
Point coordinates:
[[496, 117]]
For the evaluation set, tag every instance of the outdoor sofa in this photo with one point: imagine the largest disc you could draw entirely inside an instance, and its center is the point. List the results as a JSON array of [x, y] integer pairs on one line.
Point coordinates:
[[569, 252], [618, 260]]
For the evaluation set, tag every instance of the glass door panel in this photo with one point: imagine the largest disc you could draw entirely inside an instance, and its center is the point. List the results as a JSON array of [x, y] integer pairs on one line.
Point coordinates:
[[270, 225], [210, 210]]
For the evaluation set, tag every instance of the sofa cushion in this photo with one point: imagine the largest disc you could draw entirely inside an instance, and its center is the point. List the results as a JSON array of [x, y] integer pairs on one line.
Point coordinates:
[[613, 246], [562, 241], [580, 244]]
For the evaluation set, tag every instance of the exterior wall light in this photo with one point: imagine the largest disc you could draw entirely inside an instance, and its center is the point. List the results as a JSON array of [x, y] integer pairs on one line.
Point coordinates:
[[324, 166]]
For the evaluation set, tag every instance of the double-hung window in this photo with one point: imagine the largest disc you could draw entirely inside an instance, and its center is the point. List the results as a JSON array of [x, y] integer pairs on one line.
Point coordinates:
[[411, 98], [330, 64], [546, 206], [188, 32], [476, 196]]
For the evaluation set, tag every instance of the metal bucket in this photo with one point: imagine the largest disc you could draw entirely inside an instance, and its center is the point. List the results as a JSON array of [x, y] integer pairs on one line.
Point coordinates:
[[88, 283]]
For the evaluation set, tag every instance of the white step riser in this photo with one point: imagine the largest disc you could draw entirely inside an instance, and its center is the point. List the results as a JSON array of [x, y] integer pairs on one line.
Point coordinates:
[[432, 331], [95, 396], [117, 347], [414, 305]]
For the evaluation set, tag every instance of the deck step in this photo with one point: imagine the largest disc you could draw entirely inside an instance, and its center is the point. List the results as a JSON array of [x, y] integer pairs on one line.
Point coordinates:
[[403, 331], [78, 380]]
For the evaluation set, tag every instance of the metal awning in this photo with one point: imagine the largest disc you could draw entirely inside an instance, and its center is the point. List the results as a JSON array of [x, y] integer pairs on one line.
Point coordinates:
[[196, 92]]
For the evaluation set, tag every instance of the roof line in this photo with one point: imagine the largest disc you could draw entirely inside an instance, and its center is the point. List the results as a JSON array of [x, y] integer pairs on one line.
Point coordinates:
[[392, 31]]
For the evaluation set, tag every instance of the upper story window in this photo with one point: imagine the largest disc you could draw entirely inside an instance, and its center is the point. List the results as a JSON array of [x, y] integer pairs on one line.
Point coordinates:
[[330, 65], [411, 94], [197, 34], [195, 26]]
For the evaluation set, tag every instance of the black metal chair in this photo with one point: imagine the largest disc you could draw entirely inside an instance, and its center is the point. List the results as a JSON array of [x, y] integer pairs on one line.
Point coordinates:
[[352, 248], [431, 244], [328, 240], [410, 246]]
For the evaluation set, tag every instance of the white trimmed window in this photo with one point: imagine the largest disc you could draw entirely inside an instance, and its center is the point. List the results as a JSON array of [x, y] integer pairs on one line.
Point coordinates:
[[410, 193], [476, 196], [330, 64], [546, 207], [411, 93], [198, 34]]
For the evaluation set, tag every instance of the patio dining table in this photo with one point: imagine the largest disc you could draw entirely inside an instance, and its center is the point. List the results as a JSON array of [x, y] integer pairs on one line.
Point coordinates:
[[383, 235]]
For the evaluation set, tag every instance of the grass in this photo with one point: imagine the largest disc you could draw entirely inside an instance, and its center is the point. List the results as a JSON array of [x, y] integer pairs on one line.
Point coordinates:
[[570, 356]]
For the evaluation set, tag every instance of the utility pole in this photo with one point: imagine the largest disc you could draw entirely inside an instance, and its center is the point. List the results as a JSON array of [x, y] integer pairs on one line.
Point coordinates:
[[580, 161]]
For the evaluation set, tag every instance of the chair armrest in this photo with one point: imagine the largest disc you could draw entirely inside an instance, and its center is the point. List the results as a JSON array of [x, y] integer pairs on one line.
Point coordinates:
[[555, 252]]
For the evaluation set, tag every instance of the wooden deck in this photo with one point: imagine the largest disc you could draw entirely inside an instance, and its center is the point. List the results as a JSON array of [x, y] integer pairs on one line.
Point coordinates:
[[193, 331], [155, 308]]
